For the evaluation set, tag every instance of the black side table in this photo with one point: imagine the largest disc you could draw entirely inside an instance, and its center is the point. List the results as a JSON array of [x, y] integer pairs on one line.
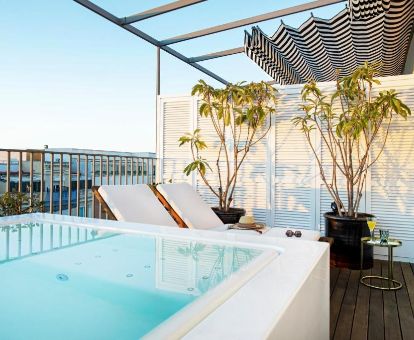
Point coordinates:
[[391, 244]]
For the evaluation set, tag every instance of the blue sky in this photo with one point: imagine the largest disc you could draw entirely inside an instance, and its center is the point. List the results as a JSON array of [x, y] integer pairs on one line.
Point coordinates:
[[69, 78]]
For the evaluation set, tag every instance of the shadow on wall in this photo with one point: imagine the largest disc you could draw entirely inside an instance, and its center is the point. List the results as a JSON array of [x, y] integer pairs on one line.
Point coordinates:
[[392, 181]]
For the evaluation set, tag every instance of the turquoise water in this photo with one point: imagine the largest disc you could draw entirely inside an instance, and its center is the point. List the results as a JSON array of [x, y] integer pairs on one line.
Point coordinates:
[[60, 282]]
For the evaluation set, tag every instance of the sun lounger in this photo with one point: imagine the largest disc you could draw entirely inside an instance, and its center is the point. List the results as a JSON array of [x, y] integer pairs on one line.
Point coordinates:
[[170, 205], [189, 205], [196, 214], [133, 203]]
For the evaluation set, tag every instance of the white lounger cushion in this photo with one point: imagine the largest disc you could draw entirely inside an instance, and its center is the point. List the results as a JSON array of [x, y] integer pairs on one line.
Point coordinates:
[[188, 204], [135, 203], [196, 214]]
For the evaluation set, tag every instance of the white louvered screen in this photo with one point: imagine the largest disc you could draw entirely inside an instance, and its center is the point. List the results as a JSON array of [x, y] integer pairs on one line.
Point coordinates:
[[176, 119], [209, 135], [294, 179], [392, 177], [280, 181], [251, 190]]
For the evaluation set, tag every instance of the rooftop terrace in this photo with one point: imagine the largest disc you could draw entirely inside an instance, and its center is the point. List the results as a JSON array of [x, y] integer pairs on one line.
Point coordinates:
[[292, 291]]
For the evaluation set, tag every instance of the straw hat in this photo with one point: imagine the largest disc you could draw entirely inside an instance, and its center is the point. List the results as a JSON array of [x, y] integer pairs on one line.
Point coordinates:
[[247, 222]]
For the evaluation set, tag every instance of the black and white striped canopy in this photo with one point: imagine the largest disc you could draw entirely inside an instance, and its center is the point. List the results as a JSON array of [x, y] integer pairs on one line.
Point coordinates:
[[367, 30]]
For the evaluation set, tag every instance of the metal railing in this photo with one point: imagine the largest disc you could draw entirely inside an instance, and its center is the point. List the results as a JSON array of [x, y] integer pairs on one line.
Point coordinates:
[[63, 180]]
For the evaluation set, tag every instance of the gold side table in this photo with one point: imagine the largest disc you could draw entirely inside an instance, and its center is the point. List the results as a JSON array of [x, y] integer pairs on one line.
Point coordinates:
[[391, 244]]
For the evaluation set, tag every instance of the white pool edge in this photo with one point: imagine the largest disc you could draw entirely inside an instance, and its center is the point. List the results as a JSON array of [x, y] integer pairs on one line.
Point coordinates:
[[256, 308], [188, 317]]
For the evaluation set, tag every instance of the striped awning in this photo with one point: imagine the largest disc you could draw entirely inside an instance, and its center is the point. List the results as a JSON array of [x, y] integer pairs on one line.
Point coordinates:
[[367, 30]]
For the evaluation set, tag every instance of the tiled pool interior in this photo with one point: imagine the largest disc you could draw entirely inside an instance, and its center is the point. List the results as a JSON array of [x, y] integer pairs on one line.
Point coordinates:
[[65, 282]]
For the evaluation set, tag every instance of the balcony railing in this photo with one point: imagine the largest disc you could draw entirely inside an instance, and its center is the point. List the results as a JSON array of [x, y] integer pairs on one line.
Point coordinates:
[[63, 180]]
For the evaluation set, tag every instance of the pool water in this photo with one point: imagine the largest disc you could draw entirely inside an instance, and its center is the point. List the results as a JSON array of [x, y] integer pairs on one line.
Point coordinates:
[[64, 282]]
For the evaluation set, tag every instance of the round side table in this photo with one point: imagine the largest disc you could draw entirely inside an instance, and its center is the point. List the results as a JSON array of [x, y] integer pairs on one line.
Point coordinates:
[[391, 244]]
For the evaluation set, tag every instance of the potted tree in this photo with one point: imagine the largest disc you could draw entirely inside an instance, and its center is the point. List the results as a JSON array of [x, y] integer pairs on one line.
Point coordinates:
[[350, 122], [239, 115]]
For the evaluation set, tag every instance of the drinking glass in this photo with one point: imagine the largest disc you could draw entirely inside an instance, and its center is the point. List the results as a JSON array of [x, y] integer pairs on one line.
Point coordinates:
[[372, 222], [384, 235]]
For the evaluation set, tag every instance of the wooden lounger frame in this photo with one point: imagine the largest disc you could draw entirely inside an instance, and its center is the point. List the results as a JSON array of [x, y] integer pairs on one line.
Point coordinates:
[[163, 201], [103, 203], [168, 207]]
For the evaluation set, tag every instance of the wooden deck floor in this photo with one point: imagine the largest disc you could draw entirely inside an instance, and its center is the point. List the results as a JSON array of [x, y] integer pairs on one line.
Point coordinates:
[[358, 312]]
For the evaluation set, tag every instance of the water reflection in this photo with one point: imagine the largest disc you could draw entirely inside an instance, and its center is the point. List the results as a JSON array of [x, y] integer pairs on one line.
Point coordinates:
[[21, 240], [184, 266], [151, 263]]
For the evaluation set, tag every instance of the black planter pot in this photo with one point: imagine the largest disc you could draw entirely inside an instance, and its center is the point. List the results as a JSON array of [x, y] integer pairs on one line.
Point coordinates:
[[229, 217], [347, 233]]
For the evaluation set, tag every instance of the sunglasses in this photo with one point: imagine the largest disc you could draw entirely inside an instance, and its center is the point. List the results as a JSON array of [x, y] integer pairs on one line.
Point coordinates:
[[290, 233]]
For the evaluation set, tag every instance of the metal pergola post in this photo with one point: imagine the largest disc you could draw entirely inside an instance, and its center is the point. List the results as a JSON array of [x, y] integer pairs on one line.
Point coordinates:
[[158, 92], [158, 74]]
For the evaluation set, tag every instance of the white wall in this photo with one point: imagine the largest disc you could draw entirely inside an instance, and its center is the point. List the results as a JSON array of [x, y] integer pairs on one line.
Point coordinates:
[[280, 181]]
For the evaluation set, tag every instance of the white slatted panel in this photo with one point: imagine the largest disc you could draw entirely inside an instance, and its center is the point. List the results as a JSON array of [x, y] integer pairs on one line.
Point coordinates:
[[210, 154], [176, 117], [294, 188], [392, 177], [298, 197], [251, 190]]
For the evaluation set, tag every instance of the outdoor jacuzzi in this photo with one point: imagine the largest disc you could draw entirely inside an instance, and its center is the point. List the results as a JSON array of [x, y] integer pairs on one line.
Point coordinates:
[[74, 278]]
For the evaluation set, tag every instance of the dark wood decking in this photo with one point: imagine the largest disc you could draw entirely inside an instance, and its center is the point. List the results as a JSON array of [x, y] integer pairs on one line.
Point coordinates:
[[358, 312]]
